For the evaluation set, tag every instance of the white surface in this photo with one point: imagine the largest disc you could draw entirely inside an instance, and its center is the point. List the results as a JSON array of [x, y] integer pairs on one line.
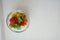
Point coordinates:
[[44, 19], [0, 30], [0, 16]]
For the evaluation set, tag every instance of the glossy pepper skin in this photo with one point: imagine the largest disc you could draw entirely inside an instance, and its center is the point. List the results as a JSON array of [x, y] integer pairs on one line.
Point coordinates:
[[13, 20], [21, 15], [23, 23]]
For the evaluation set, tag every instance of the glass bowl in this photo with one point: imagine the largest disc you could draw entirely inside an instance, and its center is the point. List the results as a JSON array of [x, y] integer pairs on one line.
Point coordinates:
[[17, 21]]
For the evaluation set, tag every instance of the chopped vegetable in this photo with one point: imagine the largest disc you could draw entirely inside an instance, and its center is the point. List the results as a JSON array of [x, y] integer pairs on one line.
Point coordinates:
[[21, 15], [18, 20], [13, 20], [15, 25], [25, 17], [13, 15], [23, 23]]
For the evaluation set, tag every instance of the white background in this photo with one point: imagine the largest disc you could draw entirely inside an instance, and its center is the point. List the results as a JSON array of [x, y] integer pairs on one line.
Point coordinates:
[[44, 19]]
